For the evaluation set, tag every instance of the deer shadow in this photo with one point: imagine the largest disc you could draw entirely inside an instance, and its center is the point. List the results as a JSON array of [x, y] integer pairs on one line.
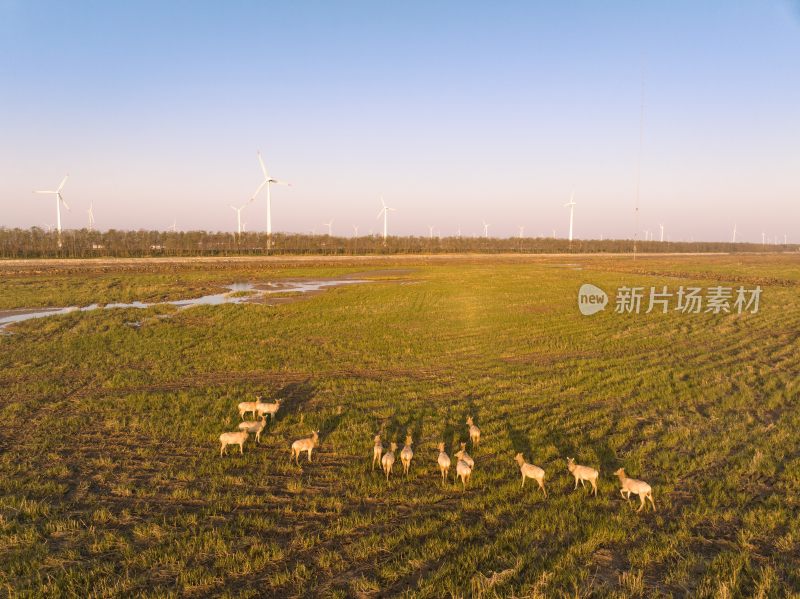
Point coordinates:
[[295, 396], [561, 441], [519, 441], [450, 433], [329, 425]]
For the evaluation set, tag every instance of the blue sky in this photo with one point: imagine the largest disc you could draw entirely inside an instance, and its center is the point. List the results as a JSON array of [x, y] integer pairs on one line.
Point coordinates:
[[456, 112]]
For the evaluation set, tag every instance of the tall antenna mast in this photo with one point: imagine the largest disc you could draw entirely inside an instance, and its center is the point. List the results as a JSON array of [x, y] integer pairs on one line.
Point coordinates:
[[639, 168]]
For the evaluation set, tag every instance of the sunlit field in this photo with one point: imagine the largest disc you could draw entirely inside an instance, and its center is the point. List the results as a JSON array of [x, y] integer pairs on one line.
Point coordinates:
[[111, 483]]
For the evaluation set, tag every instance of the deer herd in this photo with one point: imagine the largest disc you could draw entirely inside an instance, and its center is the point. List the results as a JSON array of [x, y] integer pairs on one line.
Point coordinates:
[[464, 463]]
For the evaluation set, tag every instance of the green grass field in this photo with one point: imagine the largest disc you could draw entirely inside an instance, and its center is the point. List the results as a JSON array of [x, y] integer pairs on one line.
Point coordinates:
[[111, 482]]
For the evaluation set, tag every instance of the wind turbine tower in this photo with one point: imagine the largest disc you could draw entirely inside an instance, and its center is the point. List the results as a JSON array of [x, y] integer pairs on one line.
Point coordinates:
[[385, 213], [266, 183], [90, 212], [238, 211], [59, 201], [571, 205]]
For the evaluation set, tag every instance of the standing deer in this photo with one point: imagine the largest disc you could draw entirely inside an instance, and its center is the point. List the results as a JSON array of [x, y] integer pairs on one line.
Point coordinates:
[[474, 432], [307, 444], [377, 451], [444, 462], [530, 471], [387, 461], [406, 454], [637, 487], [582, 473]]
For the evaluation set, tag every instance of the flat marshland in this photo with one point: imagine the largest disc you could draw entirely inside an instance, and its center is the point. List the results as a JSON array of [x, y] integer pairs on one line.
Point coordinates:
[[111, 482]]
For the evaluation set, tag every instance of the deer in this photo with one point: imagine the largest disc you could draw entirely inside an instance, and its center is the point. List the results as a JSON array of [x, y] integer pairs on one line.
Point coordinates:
[[387, 461], [307, 444], [474, 432], [444, 462], [463, 455], [637, 487], [406, 454], [582, 473], [530, 471], [237, 438], [254, 427], [463, 471], [377, 451], [248, 406], [268, 409]]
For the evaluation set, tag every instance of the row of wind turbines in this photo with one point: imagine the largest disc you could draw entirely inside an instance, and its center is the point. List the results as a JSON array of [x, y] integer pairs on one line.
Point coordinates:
[[268, 181]]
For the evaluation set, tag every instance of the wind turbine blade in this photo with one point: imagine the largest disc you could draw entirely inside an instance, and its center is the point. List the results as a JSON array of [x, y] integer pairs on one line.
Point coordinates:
[[63, 182], [258, 191], [233, 208], [63, 202], [45, 192], [381, 213], [276, 182], [263, 168]]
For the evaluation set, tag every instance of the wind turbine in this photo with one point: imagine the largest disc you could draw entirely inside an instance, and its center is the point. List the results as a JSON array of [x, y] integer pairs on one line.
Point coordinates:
[[355, 230], [385, 213], [662, 232], [266, 183], [238, 212], [174, 226], [430, 231], [330, 227], [733, 239], [763, 238], [486, 229], [571, 205], [59, 201], [458, 234], [91, 216], [521, 229]]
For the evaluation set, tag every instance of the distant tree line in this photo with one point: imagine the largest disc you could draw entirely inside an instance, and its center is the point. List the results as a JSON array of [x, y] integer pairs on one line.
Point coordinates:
[[83, 243]]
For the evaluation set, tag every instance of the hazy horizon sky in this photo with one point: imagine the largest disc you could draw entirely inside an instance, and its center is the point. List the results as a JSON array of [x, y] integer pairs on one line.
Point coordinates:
[[455, 112]]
